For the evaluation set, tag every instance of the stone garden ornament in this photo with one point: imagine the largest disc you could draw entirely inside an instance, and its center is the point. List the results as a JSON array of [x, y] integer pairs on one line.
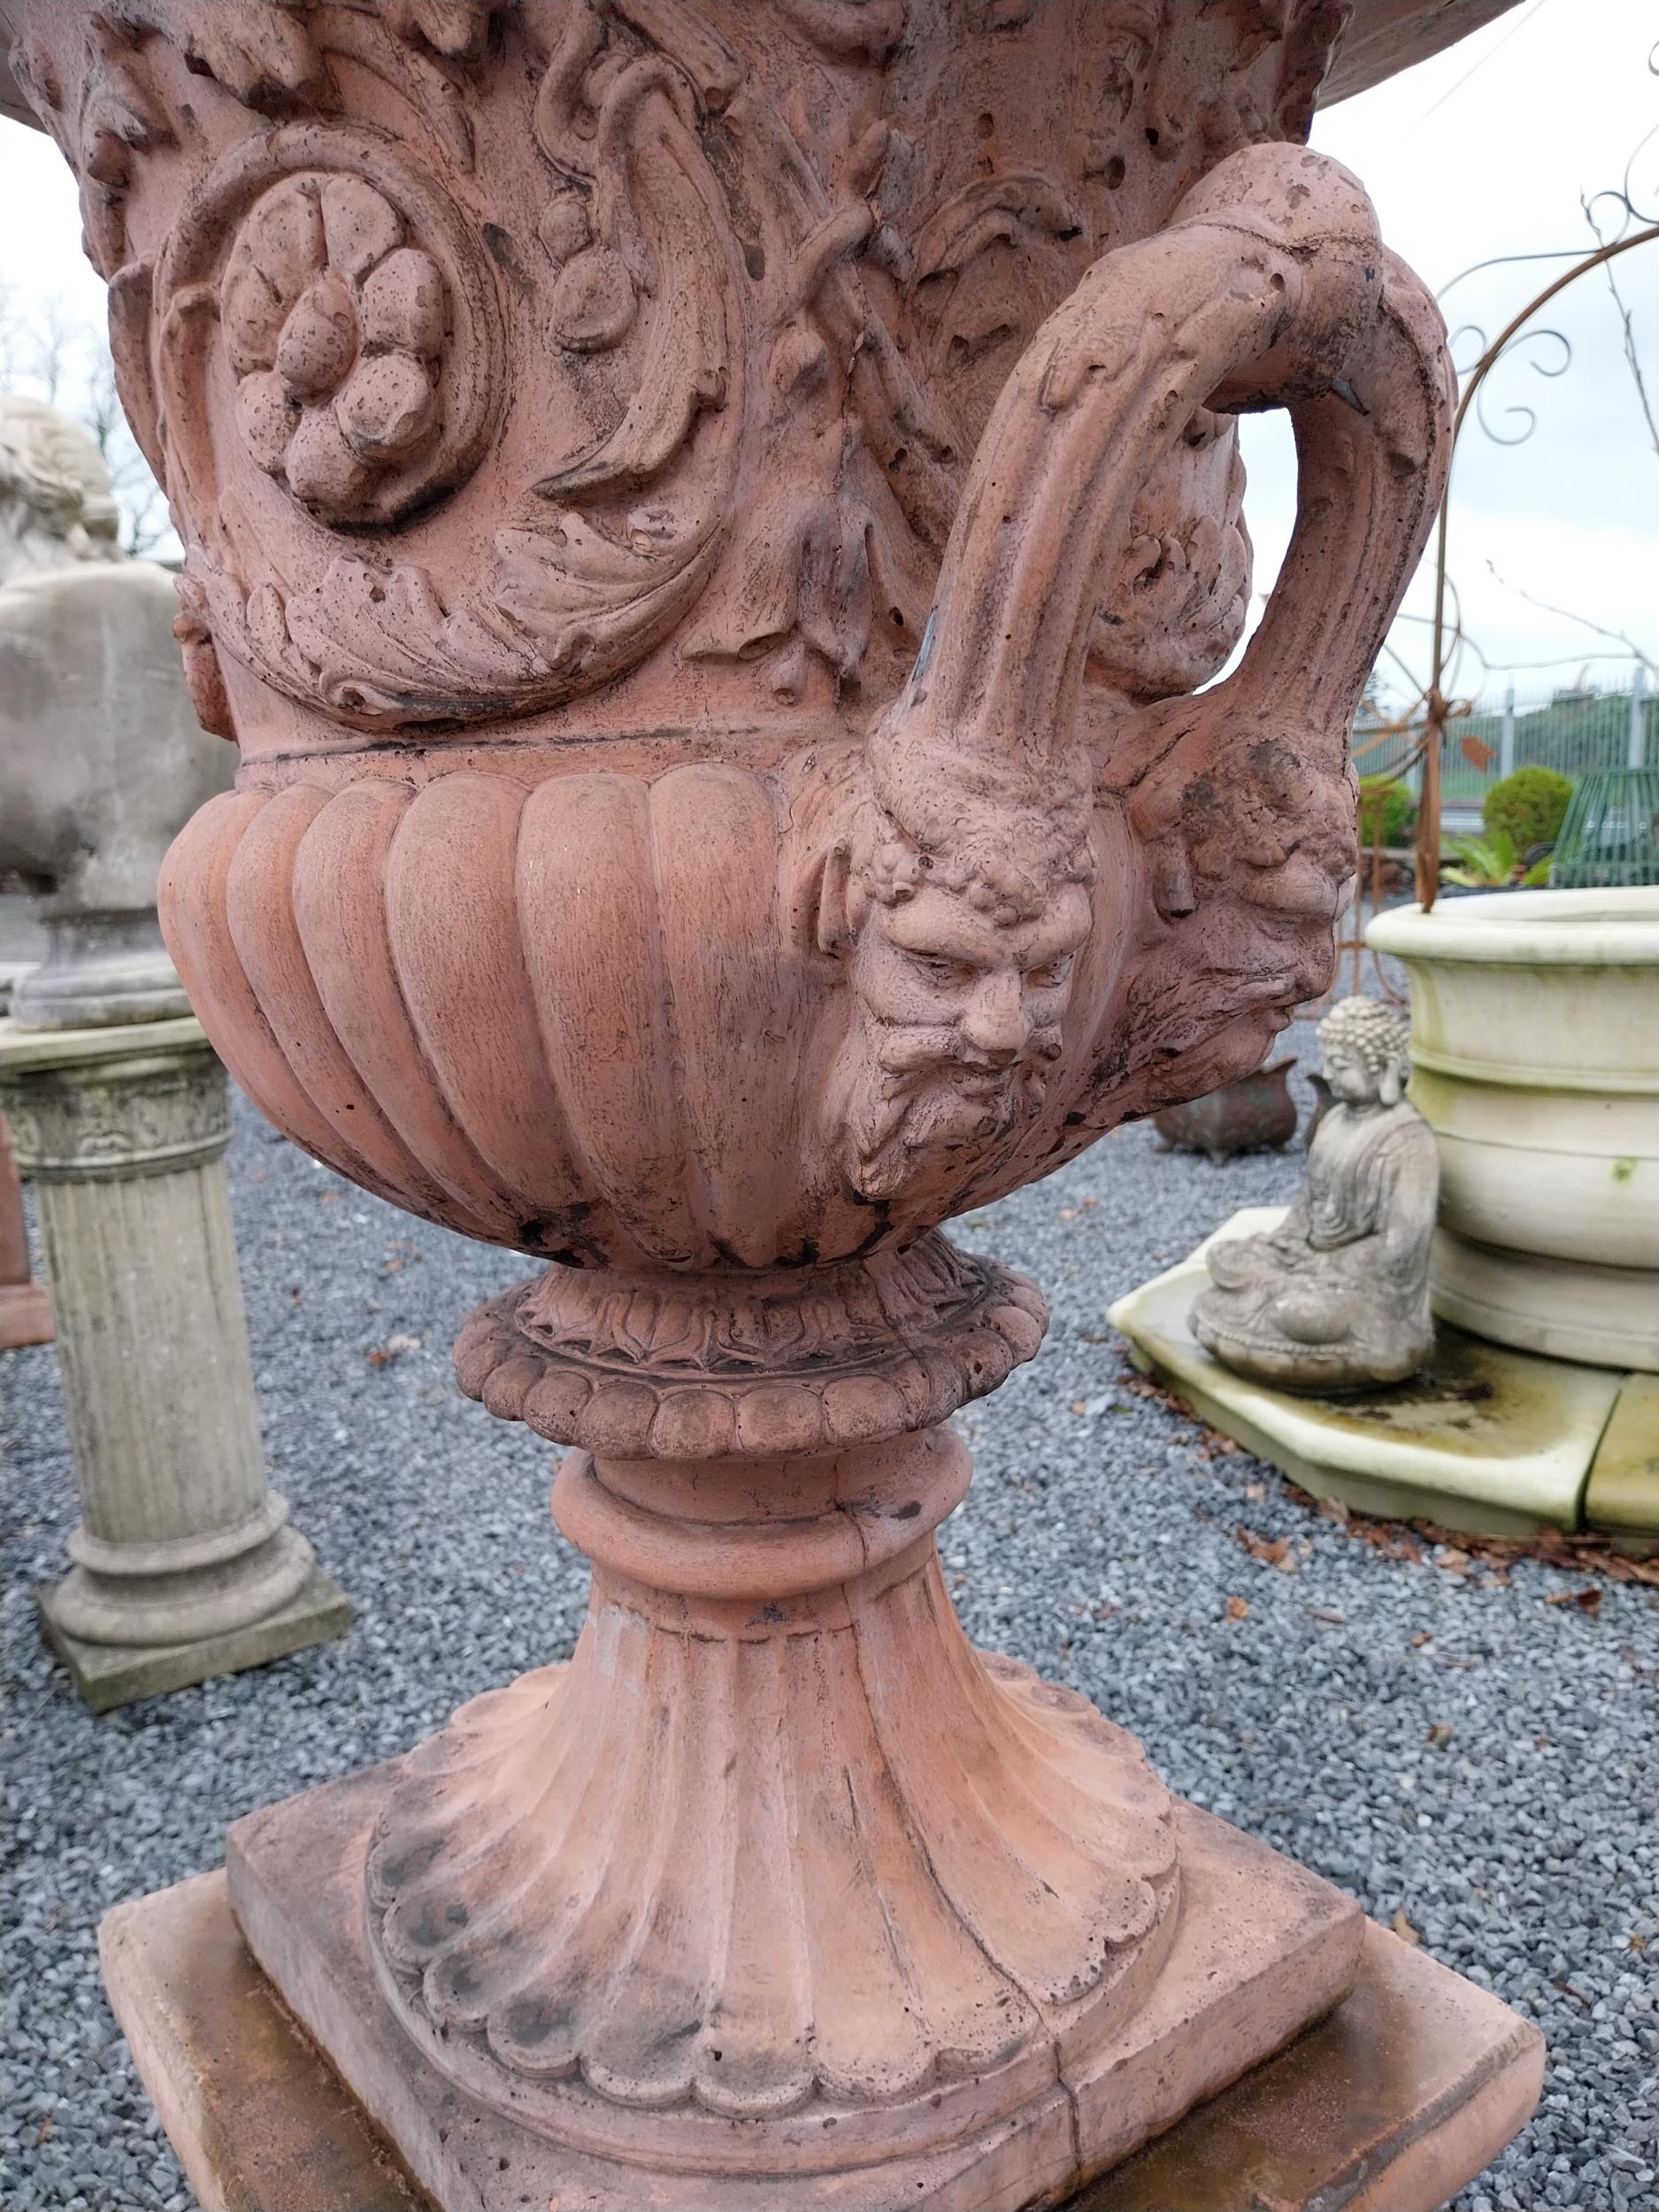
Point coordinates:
[[183, 1564], [707, 522], [1337, 1296], [101, 755]]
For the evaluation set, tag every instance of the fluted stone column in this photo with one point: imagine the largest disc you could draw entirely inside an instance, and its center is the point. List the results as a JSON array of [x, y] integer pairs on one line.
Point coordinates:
[[184, 1565], [26, 1311]]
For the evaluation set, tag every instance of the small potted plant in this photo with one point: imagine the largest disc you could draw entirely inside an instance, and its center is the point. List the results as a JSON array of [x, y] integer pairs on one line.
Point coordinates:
[[1491, 863]]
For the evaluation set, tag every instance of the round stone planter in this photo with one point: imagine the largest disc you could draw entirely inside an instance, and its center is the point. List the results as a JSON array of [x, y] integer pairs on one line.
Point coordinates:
[[1537, 1061]]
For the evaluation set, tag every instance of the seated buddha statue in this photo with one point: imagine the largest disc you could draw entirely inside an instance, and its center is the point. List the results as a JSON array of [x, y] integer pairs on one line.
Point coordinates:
[[1337, 1296]]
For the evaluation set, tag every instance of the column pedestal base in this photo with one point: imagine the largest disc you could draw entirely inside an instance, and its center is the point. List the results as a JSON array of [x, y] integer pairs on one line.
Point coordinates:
[[1393, 2103], [108, 1675]]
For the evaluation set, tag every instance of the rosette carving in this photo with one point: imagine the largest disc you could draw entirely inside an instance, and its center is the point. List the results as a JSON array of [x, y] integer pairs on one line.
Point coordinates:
[[336, 328]]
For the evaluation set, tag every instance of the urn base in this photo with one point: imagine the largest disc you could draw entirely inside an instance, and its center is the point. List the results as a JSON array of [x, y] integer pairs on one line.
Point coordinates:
[[1263, 1949], [1391, 2104]]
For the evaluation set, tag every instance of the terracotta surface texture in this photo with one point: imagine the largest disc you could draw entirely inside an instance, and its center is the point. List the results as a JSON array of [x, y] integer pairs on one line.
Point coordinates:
[[707, 523]]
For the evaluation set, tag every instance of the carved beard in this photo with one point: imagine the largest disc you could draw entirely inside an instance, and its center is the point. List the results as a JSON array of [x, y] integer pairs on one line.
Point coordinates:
[[908, 1110]]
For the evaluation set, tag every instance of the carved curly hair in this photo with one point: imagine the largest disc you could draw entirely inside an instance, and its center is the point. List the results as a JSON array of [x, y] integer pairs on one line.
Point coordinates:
[[1373, 1031], [1002, 834]]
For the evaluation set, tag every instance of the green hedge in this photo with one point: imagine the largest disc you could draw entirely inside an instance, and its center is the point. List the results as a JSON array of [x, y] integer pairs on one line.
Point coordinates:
[[1528, 807], [1387, 812]]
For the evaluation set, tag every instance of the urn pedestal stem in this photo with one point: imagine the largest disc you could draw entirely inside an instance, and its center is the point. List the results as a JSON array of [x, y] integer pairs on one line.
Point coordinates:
[[184, 1565]]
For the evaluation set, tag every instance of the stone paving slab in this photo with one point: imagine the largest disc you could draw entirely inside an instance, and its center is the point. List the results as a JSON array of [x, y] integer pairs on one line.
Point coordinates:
[[1622, 1495], [1496, 1441]]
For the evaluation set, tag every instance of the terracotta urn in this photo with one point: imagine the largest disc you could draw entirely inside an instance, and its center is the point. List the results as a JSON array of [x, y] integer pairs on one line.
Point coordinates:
[[707, 523]]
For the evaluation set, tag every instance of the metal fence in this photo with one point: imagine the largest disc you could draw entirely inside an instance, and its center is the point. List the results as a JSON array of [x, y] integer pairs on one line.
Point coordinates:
[[1572, 731]]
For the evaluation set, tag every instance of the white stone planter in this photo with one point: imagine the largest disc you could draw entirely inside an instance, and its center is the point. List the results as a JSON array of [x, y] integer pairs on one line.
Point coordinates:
[[1535, 1043]]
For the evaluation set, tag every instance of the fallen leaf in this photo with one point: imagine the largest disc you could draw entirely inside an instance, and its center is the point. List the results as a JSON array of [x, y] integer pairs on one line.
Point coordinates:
[[1452, 1559], [1237, 1609], [1272, 1551], [394, 1347], [1333, 1509], [1215, 1446], [1337, 1620], [1079, 1405], [46, 2127], [1423, 1636], [1638, 1943], [1403, 1928], [1068, 1213], [1439, 1734], [331, 1197], [1087, 1203], [1588, 1600], [1091, 1336], [1256, 1491]]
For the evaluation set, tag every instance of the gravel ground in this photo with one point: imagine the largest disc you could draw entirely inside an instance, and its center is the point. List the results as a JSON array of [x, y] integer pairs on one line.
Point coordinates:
[[1099, 1542]]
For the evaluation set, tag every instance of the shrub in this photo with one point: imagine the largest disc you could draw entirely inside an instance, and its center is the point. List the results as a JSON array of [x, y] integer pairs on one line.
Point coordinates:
[[1528, 807], [1387, 812], [1491, 863]]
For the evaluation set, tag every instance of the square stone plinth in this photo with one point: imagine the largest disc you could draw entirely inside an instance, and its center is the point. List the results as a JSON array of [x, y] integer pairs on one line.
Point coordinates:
[[1493, 1441], [108, 1675], [1390, 2105]]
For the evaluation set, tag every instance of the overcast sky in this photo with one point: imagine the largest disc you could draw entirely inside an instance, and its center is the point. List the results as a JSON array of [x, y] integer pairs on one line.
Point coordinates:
[[1486, 150]]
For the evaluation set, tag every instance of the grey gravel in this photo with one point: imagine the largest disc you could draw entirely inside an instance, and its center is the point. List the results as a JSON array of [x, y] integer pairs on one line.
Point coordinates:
[[1102, 1546]]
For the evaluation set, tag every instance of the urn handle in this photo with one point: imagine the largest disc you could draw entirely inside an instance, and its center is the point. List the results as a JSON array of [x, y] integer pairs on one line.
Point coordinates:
[[1270, 288]]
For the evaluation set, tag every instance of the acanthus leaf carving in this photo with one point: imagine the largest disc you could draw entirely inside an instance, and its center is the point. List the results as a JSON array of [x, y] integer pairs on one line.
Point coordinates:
[[341, 396]]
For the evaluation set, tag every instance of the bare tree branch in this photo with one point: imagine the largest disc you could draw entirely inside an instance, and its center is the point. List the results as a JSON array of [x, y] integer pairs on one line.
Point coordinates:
[[1633, 355], [65, 360], [1569, 614]]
